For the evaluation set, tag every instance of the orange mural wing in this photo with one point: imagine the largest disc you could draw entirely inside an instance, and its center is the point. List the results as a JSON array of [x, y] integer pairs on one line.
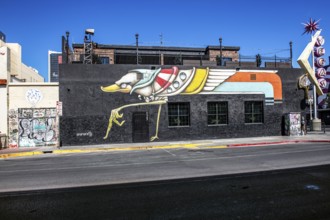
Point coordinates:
[[250, 76]]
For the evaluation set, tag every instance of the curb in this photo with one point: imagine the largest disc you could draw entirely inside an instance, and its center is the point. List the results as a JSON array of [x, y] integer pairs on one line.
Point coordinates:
[[277, 142], [91, 150], [21, 154]]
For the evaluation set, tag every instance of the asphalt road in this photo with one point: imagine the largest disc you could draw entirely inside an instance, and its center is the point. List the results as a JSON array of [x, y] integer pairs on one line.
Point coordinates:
[[240, 183], [75, 170], [302, 194]]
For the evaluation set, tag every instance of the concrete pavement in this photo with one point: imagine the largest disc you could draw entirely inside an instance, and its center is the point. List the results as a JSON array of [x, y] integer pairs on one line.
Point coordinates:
[[194, 144]]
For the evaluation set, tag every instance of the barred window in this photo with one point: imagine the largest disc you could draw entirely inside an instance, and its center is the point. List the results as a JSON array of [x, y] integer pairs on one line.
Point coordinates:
[[179, 114], [217, 113], [254, 112]]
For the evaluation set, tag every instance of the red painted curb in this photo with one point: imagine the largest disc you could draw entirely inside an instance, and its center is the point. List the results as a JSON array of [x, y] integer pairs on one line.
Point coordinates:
[[278, 142]]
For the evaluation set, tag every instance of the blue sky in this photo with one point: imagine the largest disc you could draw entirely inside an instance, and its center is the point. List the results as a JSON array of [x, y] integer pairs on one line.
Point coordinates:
[[257, 26]]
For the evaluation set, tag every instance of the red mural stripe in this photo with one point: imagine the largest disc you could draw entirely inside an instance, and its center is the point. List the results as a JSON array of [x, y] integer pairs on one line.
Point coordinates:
[[167, 71], [175, 70], [161, 81]]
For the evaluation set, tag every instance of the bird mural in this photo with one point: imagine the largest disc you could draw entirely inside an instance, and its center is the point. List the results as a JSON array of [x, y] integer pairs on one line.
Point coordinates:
[[155, 86]]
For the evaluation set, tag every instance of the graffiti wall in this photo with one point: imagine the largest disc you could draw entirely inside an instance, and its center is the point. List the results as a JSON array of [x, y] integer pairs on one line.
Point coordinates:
[[31, 127]]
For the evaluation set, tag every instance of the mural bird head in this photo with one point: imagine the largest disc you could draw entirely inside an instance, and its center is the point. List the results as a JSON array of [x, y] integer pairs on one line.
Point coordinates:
[[125, 84]]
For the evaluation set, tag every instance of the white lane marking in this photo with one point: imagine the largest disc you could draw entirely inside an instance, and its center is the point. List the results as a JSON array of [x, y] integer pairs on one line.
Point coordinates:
[[169, 152]]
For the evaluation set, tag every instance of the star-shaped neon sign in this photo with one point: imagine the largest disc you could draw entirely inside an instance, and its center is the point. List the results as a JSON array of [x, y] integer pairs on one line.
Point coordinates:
[[311, 26]]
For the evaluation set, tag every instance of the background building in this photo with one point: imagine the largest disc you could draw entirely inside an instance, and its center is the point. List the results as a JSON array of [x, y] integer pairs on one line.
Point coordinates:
[[54, 59], [2, 37], [94, 53], [11, 67], [12, 70], [157, 55]]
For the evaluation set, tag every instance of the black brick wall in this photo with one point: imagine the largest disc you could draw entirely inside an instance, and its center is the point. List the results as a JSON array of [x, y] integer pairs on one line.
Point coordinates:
[[86, 108]]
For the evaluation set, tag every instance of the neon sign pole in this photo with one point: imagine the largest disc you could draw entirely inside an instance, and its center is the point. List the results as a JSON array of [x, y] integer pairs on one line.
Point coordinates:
[[310, 27]]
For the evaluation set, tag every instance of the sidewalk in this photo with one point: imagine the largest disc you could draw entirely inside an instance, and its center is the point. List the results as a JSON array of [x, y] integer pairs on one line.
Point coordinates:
[[194, 144]]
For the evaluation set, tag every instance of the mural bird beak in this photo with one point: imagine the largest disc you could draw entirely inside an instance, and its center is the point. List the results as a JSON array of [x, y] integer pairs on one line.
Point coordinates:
[[114, 88]]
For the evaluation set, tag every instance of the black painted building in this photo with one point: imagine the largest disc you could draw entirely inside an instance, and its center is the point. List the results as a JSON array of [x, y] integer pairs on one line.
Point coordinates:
[[86, 109]]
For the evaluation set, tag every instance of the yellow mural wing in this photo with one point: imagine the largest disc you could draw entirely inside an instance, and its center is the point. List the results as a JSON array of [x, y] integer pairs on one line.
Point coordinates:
[[198, 82]]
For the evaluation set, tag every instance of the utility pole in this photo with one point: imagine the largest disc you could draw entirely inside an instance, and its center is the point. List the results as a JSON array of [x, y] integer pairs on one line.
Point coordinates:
[[220, 58], [290, 52], [161, 55], [67, 47], [137, 48], [161, 39]]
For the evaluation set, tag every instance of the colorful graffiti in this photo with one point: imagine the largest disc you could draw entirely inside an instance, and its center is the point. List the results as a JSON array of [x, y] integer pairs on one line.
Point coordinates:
[[293, 124], [37, 127], [13, 128], [32, 127], [36, 132], [154, 86]]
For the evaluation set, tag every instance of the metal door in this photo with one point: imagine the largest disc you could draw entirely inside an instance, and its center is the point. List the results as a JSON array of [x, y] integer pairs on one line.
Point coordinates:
[[140, 127]]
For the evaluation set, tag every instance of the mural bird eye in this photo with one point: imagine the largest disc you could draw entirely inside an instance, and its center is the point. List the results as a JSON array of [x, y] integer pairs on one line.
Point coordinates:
[[176, 84], [183, 76], [123, 86]]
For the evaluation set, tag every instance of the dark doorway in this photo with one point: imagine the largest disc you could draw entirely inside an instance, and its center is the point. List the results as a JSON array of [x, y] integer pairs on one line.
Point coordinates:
[[140, 127], [325, 117]]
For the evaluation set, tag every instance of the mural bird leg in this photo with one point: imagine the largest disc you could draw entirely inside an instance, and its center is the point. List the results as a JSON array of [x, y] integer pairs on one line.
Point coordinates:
[[115, 116], [157, 125]]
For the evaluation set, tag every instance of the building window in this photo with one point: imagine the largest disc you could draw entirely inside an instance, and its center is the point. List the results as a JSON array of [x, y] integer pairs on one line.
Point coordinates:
[[227, 59], [104, 60], [179, 114], [217, 113], [254, 112]]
